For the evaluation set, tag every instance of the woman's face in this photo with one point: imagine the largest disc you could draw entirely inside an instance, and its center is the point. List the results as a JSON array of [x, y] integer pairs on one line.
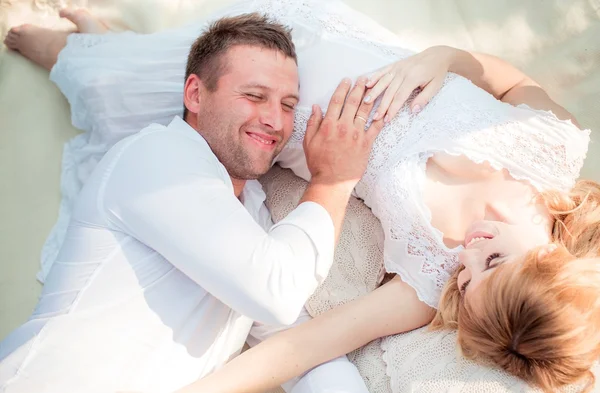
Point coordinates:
[[489, 244]]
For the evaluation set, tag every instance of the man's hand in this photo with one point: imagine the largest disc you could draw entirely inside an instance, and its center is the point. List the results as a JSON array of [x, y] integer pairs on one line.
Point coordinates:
[[337, 147]]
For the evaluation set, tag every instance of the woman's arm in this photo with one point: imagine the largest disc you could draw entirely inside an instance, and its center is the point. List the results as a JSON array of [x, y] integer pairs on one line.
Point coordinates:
[[504, 81], [427, 70], [393, 308]]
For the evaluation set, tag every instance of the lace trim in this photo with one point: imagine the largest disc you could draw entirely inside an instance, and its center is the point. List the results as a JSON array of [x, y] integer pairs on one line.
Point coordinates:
[[461, 120], [553, 117], [301, 117], [453, 125], [81, 40]]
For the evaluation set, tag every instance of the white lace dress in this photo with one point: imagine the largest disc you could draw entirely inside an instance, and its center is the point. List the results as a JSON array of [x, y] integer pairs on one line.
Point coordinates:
[[118, 83]]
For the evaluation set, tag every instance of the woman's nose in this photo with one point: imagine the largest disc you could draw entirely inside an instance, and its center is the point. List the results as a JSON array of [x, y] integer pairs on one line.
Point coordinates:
[[468, 258], [498, 212]]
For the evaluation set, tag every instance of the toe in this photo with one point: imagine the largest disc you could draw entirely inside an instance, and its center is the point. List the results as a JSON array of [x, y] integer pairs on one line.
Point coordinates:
[[66, 13], [10, 42]]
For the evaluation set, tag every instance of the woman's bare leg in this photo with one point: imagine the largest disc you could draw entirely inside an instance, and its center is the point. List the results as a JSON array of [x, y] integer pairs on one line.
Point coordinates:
[[42, 45]]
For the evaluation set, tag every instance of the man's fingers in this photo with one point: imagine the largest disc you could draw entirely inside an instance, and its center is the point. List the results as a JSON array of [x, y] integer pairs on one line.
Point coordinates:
[[374, 130], [337, 100], [354, 100], [423, 98], [364, 111], [314, 121]]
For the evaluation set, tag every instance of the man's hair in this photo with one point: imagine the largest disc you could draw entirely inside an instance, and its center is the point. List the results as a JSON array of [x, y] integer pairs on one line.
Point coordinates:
[[206, 57]]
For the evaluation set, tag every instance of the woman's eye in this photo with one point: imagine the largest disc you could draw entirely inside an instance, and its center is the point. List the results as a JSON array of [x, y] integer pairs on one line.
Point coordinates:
[[289, 107], [491, 258], [253, 97], [463, 288]]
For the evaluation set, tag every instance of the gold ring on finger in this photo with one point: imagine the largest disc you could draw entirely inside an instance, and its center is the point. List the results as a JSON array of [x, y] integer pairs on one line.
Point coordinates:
[[361, 118]]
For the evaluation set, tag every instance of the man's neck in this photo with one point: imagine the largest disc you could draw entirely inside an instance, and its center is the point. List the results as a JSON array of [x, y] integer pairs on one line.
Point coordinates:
[[238, 186]]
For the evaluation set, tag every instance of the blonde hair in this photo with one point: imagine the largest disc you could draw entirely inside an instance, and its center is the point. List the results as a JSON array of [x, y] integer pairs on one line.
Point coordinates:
[[539, 321], [576, 218]]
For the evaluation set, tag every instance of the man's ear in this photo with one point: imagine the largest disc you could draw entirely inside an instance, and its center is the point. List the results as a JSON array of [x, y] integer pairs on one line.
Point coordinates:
[[191, 93], [546, 249]]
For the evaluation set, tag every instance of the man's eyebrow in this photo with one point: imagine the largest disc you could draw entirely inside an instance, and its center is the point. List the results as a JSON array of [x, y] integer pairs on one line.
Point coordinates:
[[264, 87]]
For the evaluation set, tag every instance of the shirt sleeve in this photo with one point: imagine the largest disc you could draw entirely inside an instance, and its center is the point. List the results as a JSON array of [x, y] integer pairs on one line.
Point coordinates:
[[167, 194]]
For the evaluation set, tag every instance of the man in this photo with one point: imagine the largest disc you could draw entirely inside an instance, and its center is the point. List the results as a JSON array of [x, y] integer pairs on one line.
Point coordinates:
[[170, 254]]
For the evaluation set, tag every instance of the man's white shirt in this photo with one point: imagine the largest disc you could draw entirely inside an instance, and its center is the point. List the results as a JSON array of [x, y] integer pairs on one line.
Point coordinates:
[[162, 273]]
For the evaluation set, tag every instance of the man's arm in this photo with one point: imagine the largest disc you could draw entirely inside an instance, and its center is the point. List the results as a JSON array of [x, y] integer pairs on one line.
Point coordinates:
[[180, 205], [183, 209], [337, 148]]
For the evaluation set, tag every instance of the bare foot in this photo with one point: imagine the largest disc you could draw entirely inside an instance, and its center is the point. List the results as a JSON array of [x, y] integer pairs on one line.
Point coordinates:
[[38, 44], [85, 22]]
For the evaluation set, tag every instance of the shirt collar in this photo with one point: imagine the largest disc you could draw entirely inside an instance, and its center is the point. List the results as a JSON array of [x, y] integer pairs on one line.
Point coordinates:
[[253, 195]]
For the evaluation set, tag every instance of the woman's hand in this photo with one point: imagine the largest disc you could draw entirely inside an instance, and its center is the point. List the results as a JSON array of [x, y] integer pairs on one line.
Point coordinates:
[[425, 71]]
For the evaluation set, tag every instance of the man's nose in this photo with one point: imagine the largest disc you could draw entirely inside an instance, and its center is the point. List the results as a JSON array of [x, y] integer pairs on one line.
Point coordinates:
[[272, 115]]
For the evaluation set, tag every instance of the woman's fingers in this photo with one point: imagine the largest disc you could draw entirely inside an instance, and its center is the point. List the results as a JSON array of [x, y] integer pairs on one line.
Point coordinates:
[[428, 92], [398, 81], [388, 96], [376, 76], [382, 84], [406, 89], [397, 103]]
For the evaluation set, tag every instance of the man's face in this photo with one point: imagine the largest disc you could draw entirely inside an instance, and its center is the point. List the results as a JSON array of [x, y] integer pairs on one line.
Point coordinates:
[[249, 118]]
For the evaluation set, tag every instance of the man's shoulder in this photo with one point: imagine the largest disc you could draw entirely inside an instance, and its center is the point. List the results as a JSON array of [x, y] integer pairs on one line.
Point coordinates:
[[161, 142], [159, 149]]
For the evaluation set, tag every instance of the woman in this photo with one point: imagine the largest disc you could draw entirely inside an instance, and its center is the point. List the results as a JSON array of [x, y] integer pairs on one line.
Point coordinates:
[[488, 158]]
